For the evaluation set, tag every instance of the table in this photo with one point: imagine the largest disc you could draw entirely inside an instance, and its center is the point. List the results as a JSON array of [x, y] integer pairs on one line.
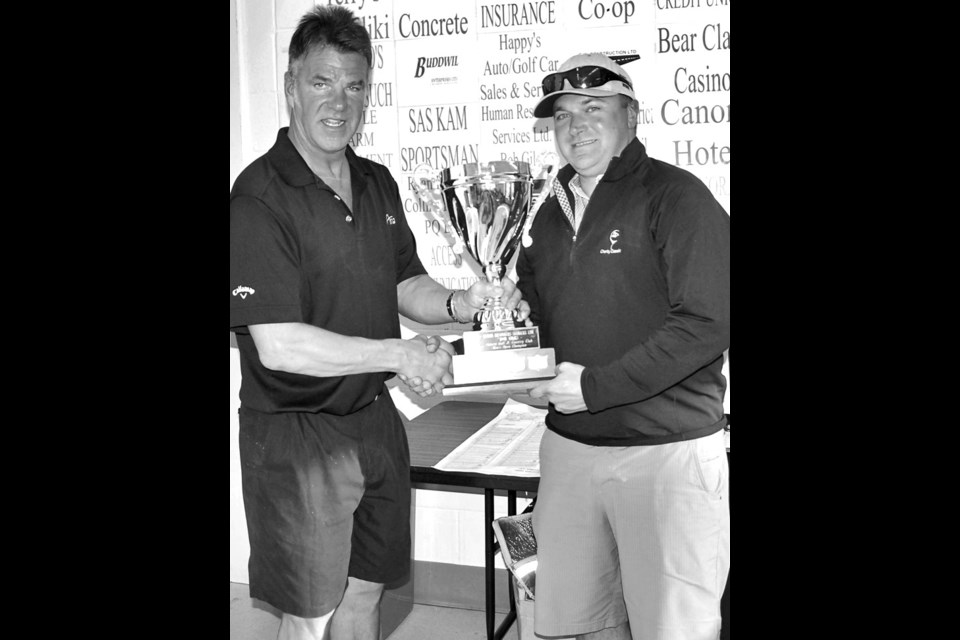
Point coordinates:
[[432, 436]]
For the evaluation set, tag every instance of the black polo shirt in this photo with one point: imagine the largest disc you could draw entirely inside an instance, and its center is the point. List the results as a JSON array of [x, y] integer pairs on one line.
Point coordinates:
[[298, 254]]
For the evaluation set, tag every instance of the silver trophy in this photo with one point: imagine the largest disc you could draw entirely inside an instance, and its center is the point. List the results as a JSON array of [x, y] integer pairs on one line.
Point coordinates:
[[488, 206]]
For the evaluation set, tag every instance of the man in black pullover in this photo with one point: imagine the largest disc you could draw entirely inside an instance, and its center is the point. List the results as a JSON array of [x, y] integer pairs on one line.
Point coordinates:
[[628, 278]]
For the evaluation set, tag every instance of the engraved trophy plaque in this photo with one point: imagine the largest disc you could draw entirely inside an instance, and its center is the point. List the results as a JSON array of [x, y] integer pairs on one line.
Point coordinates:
[[487, 204]]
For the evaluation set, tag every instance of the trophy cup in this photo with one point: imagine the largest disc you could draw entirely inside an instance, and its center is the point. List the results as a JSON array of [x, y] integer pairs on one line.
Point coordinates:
[[488, 205]]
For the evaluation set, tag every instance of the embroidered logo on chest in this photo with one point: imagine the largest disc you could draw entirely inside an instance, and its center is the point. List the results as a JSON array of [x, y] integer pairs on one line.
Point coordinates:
[[391, 219], [614, 236], [243, 291]]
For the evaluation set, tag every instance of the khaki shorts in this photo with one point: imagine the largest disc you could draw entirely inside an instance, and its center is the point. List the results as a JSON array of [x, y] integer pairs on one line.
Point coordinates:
[[636, 533]]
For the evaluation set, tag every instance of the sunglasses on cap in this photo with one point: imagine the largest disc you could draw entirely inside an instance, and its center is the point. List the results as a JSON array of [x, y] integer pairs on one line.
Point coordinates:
[[582, 78]]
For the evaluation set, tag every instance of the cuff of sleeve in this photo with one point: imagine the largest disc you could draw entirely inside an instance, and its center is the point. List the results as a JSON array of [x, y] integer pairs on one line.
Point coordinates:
[[608, 386], [264, 315]]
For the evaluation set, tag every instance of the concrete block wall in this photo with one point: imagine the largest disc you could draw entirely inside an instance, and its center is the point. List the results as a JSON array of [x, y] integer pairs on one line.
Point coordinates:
[[450, 526]]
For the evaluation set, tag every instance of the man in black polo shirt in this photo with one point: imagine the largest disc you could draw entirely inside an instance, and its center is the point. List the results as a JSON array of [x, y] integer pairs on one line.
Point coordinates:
[[322, 262]]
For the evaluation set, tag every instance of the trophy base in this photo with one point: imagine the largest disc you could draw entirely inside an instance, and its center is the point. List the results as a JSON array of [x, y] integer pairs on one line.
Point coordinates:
[[500, 388], [509, 370]]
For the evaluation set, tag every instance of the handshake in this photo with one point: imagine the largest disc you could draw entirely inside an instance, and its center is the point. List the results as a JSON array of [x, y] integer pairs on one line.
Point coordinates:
[[426, 368]]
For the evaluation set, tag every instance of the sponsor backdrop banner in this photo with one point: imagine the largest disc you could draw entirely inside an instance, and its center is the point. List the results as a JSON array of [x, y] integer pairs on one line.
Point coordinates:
[[455, 81]]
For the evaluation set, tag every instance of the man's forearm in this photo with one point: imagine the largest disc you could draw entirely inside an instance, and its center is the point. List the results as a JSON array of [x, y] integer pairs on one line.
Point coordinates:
[[308, 350], [423, 300], [664, 359]]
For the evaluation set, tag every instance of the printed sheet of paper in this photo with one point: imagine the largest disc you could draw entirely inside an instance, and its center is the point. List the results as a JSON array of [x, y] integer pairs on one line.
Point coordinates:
[[507, 445]]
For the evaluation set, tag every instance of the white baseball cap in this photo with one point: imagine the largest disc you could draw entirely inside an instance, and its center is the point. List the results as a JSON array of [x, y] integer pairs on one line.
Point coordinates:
[[586, 74]]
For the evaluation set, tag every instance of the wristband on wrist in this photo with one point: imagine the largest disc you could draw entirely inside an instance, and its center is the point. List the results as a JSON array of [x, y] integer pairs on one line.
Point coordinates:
[[450, 307]]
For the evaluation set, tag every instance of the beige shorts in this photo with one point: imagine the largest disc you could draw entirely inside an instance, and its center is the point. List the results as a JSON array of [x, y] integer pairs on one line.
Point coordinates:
[[636, 533]]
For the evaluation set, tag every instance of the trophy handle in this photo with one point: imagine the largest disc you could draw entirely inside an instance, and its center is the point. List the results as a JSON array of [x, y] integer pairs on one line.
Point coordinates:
[[549, 169], [426, 186]]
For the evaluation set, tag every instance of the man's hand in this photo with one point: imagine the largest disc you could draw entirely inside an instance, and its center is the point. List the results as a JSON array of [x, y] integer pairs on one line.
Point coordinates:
[[436, 342], [427, 369], [564, 391], [508, 293]]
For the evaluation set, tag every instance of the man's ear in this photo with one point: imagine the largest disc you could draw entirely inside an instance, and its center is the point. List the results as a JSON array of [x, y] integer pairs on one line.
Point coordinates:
[[633, 113]]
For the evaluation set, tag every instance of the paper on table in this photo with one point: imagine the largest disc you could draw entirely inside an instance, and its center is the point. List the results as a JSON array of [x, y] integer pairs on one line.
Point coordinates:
[[507, 445]]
